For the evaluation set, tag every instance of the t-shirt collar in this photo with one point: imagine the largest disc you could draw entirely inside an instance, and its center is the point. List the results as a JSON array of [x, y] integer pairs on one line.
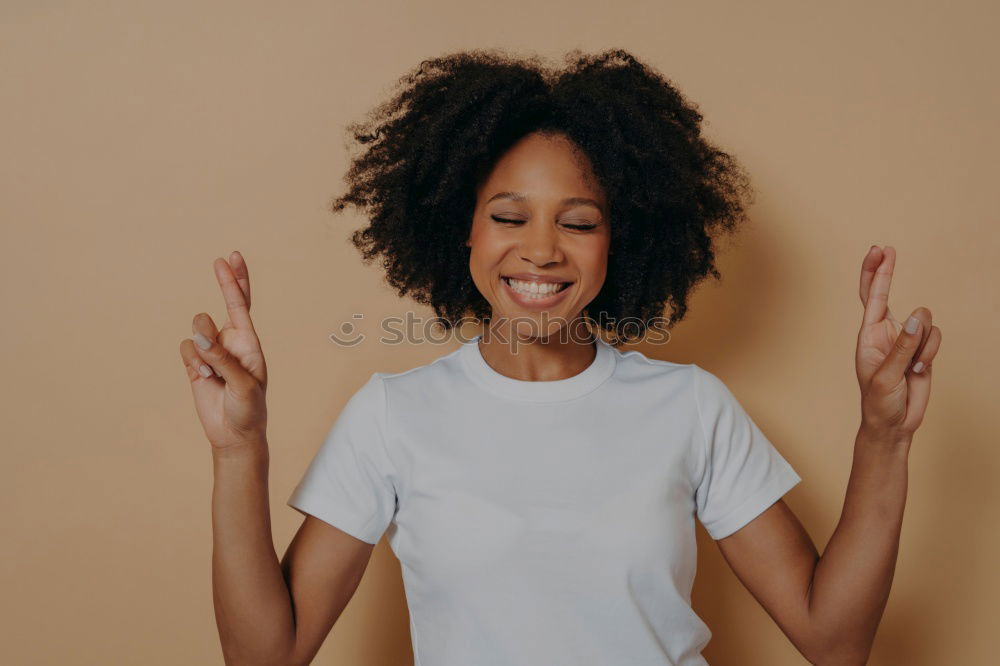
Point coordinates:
[[580, 384]]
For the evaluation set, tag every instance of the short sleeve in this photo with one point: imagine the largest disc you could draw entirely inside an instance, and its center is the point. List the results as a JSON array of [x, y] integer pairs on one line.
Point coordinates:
[[742, 472], [350, 482]]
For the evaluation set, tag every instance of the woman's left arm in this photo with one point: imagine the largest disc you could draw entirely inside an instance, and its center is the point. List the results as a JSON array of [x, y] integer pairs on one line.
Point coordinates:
[[831, 606]]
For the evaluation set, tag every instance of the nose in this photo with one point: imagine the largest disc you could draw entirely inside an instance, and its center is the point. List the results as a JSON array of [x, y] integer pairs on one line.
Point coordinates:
[[540, 244]]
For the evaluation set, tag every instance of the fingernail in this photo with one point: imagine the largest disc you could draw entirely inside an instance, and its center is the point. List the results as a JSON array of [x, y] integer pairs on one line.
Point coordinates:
[[918, 366], [217, 373], [911, 325], [205, 343], [205, 371]]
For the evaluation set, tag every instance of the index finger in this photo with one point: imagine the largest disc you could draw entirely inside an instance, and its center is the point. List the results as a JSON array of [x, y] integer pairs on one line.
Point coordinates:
[[236, 303], [878, 293], [241, 273]]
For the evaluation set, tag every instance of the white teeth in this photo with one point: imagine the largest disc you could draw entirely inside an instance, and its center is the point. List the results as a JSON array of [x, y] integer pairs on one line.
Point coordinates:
[[535, 289]]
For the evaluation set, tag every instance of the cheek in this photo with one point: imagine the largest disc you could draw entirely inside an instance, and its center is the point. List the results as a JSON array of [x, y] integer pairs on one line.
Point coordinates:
[[599, 275], [484, 257], [487, 248], [594, 262]]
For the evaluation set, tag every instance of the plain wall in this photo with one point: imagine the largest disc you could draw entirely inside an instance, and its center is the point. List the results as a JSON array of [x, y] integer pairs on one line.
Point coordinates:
[[142, 140]]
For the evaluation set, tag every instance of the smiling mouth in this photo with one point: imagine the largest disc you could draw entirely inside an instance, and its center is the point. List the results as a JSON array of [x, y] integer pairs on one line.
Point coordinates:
[[533, 289]]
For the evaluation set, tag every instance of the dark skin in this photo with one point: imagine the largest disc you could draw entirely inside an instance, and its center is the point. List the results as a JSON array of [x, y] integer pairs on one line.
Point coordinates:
[[538, 231], [829, 606]]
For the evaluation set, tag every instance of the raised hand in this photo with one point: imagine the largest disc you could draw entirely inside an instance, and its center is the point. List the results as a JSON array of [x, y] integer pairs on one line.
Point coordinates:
[[893, 364], [226, 367]]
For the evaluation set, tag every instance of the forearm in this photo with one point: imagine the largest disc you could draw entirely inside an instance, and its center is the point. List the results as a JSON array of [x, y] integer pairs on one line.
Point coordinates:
[[253, 607], [852, 579]]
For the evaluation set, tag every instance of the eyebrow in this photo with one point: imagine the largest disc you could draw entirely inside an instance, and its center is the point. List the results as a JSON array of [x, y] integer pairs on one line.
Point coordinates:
[[568, 201]]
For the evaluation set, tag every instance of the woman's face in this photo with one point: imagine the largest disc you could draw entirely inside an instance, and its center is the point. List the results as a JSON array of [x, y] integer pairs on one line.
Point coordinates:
[[540, 269]]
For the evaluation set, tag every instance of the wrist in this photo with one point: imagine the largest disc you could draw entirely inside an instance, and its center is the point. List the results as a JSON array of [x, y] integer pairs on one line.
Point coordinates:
[[251, 449], [883, 437]]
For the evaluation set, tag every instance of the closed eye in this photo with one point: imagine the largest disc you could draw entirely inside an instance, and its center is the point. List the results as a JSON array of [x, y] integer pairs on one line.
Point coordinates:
[[577, 227]]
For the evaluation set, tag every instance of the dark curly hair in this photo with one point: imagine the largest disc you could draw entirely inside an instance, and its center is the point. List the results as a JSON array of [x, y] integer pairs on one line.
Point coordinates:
[[429, 148]]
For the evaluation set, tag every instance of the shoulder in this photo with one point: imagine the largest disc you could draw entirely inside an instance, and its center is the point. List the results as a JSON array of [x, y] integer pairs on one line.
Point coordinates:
[[634, 366], [428, 380], [699, 389]]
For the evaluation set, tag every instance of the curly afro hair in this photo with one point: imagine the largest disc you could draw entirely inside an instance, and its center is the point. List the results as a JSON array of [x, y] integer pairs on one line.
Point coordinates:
[[669, 191]]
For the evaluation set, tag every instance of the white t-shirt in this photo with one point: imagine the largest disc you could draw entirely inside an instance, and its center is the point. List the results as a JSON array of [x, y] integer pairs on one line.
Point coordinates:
[[546, 522]]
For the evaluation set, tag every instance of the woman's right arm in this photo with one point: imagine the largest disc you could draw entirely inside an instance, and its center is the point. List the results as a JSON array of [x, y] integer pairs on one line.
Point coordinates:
[[253, 608], [267, 612]]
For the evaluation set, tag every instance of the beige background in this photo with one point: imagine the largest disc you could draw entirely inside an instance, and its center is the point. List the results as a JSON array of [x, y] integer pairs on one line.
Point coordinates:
[[142, 140]]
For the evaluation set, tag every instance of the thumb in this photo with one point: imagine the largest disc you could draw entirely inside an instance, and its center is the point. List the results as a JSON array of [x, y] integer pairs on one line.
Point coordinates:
[[225, 364], [904, 348]]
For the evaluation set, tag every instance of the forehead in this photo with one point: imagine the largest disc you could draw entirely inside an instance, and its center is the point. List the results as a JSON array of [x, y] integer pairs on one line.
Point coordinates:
[[544, 166]]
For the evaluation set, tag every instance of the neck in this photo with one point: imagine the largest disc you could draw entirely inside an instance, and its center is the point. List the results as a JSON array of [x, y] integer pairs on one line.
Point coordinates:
[[558, 355]]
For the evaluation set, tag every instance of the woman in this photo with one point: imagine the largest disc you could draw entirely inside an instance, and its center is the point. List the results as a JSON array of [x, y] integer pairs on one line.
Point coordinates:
[[538, 485]]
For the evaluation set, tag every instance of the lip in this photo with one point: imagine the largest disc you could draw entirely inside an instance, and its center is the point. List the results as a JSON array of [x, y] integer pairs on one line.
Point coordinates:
[[534, 303], [535, 277]]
